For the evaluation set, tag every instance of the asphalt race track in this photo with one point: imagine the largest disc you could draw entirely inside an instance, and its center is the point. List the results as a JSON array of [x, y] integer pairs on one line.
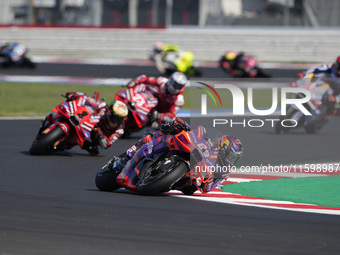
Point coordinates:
[[121, 71], [50, 205]]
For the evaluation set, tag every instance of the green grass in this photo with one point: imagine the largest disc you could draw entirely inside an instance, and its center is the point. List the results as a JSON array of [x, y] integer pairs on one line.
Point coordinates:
[[321, 191], [21, 99], [27, 99]]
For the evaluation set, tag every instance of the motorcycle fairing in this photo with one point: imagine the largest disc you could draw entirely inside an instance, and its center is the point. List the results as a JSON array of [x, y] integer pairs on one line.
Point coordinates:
[[140, 102], [80, 117], [152, 150]]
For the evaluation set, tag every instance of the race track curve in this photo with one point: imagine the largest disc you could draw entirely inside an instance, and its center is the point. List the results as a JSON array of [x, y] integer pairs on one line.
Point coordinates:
[[50, 205]]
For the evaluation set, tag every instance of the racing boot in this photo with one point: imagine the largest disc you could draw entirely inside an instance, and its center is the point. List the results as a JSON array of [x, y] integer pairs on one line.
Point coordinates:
[[91, 148]]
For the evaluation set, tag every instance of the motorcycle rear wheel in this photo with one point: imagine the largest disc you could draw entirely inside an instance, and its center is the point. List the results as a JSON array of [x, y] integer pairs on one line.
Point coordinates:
[[41, 146], [160, 181]]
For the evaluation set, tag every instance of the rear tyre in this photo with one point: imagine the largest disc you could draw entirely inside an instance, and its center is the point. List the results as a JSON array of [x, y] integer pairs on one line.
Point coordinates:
[[158, 180], [44, 144]]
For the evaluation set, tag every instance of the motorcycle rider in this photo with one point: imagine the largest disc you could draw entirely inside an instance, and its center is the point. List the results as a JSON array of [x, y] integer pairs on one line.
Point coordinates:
[[159, 57], [233, 62], [169, 58], [331, 75], [168, 91], [229, 149], [110, 127]]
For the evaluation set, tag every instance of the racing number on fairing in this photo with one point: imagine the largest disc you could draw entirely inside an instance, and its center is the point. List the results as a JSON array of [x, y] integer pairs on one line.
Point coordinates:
[[204, 148], [139, 100]]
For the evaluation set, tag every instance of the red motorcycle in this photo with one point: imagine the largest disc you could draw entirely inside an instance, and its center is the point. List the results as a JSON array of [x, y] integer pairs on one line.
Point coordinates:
[[72, 124], [141, 103]]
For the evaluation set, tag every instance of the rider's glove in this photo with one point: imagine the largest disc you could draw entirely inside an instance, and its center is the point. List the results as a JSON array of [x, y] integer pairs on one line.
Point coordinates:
[[167, 128], [180, 125]]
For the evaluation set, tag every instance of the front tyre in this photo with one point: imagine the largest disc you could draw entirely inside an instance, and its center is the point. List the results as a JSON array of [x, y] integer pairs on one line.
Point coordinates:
[[44, 143], [315, 127], [279, 129], [160, 178], [28, 62], [106, 177]]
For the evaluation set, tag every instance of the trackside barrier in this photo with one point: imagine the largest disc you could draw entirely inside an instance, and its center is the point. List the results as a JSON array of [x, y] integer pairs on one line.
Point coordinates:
[[208, 44]]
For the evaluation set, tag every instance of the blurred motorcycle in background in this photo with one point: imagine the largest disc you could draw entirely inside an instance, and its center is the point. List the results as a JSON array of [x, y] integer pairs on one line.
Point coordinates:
[[169, 59], [319, 106], [241, 65], [15, 54]]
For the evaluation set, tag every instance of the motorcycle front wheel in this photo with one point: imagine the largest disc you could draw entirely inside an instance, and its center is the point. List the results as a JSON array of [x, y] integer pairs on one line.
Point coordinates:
[[314, 128], [28, 62], [159, 178], [279, 129], [43, 144], [106, 177]]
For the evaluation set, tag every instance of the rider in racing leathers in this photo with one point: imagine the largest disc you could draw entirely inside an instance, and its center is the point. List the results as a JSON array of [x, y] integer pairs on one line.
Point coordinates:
[[232, 62], [229, 148], [169, 93], [110, 127], [331, 75], [169, 58], [160, 53]]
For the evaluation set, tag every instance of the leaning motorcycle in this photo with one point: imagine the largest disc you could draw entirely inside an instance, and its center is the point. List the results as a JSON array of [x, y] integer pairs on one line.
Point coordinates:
[[165, 163], [75, 124], [174, 61], [249, 68], [142, 105], [320, 113], [15, 54]]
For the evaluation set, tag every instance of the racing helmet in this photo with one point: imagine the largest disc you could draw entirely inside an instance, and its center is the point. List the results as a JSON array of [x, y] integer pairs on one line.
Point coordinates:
[[176, 83], [158, 46], [230, 55], [337, 65], [230, 150], [117, 111]]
